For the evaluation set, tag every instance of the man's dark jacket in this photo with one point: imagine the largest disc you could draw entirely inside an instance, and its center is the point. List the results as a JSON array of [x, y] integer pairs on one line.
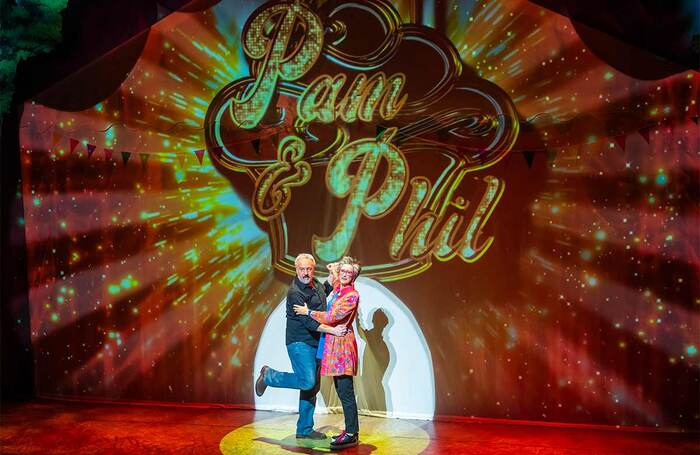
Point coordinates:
[[303, 328]]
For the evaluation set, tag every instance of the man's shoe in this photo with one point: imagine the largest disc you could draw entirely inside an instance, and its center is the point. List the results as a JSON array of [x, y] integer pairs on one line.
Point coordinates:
[[344, 440], [260, 385], [313, 435]]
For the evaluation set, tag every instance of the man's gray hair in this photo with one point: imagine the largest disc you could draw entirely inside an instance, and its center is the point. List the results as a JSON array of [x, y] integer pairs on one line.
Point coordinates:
[[304, 256]]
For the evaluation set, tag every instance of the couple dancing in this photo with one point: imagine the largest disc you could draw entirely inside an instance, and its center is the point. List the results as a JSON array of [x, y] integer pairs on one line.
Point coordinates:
[[320, 341]]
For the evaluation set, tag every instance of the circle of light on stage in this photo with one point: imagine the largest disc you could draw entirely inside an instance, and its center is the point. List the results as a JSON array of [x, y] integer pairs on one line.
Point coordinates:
[[276, 435], [395, 378]]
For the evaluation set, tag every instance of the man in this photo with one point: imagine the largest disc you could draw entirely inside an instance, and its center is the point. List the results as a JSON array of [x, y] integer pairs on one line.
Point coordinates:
[[302, 339]]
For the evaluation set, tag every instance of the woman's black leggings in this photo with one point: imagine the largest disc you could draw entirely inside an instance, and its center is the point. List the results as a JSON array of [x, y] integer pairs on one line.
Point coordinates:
[[346, 393]]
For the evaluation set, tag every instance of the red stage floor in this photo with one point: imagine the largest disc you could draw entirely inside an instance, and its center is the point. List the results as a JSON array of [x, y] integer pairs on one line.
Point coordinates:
[[67, 427]]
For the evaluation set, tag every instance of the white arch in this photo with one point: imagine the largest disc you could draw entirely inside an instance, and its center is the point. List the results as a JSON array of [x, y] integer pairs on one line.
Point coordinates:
[[409, 380]]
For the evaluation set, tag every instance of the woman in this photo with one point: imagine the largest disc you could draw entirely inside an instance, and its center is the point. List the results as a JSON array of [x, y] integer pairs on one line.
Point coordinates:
[[339, 357]]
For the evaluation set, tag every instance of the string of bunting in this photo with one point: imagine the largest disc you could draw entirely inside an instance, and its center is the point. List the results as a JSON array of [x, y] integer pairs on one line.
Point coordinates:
[[619, 139], [126, 155], [528, 154]]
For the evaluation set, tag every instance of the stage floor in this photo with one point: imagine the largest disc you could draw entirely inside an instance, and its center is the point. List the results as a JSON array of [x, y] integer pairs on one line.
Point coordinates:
[[74, 428]]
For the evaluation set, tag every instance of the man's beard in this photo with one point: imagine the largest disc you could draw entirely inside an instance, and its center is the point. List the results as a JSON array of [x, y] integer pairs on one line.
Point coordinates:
[[305, 279]]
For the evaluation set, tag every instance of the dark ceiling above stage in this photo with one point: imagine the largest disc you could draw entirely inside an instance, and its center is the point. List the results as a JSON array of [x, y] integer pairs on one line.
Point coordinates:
[[646, 40], [104, 36]]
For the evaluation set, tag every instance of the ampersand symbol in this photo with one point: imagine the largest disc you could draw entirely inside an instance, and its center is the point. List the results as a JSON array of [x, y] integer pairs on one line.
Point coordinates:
[[273, 186]]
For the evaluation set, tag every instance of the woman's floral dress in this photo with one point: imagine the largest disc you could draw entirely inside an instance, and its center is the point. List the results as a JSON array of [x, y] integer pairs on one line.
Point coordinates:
[[340, 353]]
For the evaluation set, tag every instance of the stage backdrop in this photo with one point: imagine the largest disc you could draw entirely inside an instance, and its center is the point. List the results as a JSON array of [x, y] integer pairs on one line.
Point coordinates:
[[523, 196]]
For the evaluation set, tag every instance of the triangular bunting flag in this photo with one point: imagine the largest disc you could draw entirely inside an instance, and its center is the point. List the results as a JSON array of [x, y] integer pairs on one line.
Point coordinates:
[[256, 145], [621, 141], [694, 118], [180, 159], [90, 149], [645, 133], [200, 155], [73, 144], [55, 138], [529, 157], [144, 158], [108, 154], [125, 157]]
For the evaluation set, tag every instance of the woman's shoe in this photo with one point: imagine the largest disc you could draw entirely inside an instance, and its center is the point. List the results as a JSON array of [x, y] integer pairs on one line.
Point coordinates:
[[344, 440], [333, 438]]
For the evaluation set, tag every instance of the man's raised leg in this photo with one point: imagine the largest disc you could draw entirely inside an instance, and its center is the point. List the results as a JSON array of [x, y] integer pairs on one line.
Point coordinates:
[[303, 359]]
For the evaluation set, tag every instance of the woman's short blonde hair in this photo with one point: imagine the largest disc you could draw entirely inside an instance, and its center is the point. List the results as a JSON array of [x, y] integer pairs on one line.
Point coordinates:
[[356, 268]]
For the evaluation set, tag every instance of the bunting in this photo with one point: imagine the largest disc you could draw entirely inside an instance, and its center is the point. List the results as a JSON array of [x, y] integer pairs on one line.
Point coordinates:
[[125, 157], [644, 132], [200, 155], [528, 155], [73, 144], [621, 141]]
